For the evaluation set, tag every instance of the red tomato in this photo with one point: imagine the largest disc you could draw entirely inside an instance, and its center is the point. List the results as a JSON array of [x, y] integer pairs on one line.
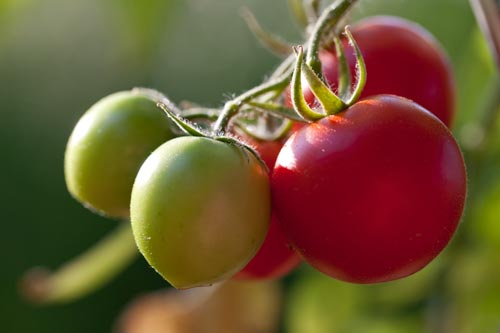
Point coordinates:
[[401, 58], [372, 194], [275, 258]]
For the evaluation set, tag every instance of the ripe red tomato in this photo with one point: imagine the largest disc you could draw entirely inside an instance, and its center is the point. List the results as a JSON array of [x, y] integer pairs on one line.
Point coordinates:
[[275, 258], [401, 58], [372, 194]]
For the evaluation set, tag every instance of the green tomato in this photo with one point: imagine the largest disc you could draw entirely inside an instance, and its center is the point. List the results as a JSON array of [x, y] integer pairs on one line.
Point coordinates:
[[200, 210], [107, 148]]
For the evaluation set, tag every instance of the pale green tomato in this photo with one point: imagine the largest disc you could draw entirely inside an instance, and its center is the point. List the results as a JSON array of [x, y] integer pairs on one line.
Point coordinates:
[[200, 210], [108, 146]]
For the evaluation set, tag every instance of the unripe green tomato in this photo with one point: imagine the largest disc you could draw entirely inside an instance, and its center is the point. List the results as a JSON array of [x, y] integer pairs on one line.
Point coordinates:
[[200, 210], [108, 146]]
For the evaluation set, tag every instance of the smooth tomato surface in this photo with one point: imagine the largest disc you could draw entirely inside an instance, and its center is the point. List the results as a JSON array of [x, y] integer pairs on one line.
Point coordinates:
[[108, 146], [200, 210], [372, 194], [275, 257], [402, 59]]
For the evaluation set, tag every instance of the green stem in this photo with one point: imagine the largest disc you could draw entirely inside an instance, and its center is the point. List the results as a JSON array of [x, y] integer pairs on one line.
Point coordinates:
[[232, 107], [344, 76], [298, 100], [246, 148], [158, 97], [330, 17], [284, 67], [271, 42], [360, 69], [330, 102], [311, 8], [84, 274], [200, 113], [299, 12], [278, 110], [183, 125]]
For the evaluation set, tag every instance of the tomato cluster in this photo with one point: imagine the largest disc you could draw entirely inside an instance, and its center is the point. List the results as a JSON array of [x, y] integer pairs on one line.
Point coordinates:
[[369, 193]]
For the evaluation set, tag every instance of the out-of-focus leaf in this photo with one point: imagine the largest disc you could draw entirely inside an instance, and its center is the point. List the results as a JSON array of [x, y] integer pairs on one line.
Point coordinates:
[[473, 72], [487, 216], [9, 10], [404, 295], [143, 24], [7, 5], [475, 282], [320, 304], [484, 209], [230, 307]]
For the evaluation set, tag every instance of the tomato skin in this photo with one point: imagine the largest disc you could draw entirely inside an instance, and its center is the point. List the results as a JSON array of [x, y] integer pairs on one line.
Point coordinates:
[[200, 210], [372, 194], [275, 257], [107, 147], [402, 59]]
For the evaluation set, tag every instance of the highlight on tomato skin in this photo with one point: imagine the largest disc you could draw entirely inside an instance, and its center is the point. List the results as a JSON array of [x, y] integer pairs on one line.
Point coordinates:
[[372, 194], [401, 58], [275, 257]]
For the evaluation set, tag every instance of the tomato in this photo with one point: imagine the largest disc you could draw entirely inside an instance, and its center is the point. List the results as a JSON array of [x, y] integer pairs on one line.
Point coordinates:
[[275, 258], [108, 146], [401, 58], [200, 210], [372, 194]]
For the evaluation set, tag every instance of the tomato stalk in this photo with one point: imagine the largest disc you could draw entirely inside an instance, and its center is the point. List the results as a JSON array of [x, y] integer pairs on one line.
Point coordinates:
[[330, 17], [182, 124], [298, 100], [330, 102], [305, 12], [311, 68], [344, 76], [201, 113], [158, 97], [232, 107], [299, 12], [312, 10], [267, 127], [360, 69], [271, 42], [277, 110], [84, 274]]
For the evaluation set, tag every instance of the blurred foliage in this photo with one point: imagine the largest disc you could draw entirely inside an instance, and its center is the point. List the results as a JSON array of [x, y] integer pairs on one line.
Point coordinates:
[[229, 307], [58, 57]]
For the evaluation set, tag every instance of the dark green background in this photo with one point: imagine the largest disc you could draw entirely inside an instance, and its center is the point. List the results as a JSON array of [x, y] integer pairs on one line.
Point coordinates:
[[58, 57]]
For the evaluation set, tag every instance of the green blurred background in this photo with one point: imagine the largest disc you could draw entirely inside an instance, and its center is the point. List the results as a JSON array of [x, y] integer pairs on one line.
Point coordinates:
[[58, 57]]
